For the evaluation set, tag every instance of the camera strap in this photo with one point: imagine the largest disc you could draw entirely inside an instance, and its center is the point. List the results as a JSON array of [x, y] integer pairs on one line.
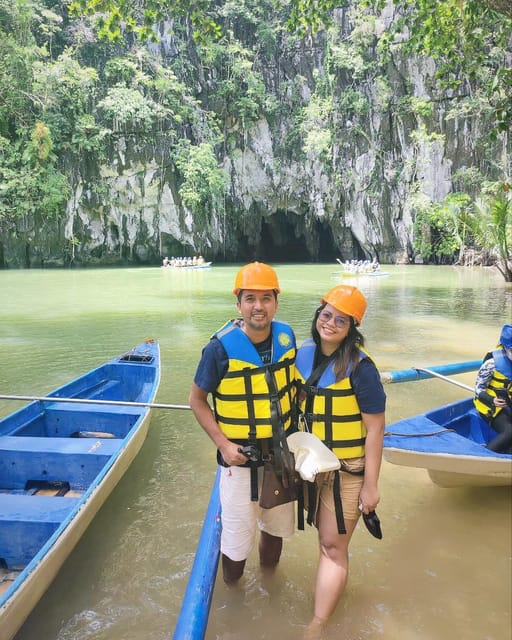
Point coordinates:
[[282, 458]]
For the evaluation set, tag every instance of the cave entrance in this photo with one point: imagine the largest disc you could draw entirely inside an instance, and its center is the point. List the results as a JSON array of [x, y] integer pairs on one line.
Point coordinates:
[[328, 250], [279, 242], [283, 239]]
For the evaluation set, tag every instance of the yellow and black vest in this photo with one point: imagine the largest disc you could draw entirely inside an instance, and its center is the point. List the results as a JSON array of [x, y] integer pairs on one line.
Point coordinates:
[[330, 407], [242, 400], [501, 379]]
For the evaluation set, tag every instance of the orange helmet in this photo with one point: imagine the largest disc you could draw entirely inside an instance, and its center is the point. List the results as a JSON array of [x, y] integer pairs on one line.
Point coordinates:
[[348, 300], [256, 275]]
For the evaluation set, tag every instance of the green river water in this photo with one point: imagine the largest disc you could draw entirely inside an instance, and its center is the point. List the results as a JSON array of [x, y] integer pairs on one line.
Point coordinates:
[[443, 568]]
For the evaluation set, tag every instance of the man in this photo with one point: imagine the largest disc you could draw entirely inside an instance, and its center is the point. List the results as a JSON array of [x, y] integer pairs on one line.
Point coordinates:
[[493, 392], [246, 365]]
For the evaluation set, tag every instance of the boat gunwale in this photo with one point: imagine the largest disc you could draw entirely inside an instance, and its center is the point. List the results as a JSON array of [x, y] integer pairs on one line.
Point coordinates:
[[23, 583], [435, 455]]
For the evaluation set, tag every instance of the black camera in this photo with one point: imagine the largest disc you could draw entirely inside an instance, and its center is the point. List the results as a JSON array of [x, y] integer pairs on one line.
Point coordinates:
[[250, 452]]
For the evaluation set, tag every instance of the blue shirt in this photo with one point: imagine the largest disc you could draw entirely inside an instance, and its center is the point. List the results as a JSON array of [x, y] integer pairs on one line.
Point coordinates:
[[368, 388], [214, 363], [212, 366]]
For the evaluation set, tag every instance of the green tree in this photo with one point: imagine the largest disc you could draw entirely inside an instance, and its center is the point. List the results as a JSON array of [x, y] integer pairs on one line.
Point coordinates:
[[441, 228], [30, 181], [491, 225], [463, 36], [31, 184], [204, 183]]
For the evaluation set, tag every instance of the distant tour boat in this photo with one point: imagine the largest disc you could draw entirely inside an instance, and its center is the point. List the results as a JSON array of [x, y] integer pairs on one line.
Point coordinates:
[[186, 263], [356, 268]]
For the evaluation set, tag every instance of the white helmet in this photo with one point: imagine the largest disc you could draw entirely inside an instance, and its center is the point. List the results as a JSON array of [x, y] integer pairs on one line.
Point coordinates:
[[311, 455]]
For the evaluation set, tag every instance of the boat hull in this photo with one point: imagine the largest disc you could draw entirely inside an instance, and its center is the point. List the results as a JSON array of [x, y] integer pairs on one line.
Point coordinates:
[[449, 443], [21, 597]]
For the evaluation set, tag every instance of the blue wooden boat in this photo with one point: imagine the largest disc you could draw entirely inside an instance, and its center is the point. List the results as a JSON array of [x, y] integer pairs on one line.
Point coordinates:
[[60, 457], [450, 443], [195, 607]]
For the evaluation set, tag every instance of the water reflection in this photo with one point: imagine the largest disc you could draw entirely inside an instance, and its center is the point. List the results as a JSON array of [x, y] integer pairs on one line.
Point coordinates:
[[443, 567]]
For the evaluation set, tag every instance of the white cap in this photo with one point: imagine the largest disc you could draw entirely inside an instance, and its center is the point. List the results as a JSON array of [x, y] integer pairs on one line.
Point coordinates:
[[311, 455]]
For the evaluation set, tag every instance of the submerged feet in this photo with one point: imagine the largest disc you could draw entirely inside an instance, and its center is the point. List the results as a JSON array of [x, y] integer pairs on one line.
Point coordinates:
[[232, 570], [315, 629]]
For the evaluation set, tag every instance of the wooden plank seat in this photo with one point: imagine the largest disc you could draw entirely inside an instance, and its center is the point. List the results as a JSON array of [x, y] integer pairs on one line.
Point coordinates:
[[66, 418], [109, 390], [74, 460], [62, 419], [91, 387], [20, 444], [26, 523]]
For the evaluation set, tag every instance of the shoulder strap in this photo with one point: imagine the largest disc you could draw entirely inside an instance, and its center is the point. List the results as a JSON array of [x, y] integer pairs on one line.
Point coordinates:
[[316, 374], [282, 458]]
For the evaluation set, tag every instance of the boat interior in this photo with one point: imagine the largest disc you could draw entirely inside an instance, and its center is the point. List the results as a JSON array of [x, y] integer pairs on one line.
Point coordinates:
[[52, 452], [463, 419]]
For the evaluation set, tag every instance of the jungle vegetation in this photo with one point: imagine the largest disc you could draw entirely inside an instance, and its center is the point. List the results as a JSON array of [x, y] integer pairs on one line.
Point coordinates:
[[73, 76]]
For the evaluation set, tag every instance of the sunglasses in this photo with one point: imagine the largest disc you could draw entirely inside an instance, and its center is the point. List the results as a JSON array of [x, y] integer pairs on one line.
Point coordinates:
[[339, 321]]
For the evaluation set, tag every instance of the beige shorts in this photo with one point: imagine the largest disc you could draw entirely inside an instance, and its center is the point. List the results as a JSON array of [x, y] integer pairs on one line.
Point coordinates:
[[350, 489], [241, 517]]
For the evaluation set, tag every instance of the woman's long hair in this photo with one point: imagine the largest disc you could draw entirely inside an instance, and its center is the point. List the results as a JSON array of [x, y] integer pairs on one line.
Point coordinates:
[[348, 351]]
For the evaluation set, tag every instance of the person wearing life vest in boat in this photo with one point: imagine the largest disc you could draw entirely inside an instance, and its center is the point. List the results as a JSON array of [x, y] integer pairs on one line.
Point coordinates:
[[248, 368], [493, 392], [342, 401]]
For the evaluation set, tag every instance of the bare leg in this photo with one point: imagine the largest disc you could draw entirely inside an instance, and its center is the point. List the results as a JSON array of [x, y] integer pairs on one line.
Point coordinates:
[[332, 572], [232, 570], [270, 548]]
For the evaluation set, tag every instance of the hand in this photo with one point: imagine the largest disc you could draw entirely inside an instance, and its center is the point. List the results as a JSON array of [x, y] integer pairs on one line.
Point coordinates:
[[368, 499], [232, 454]]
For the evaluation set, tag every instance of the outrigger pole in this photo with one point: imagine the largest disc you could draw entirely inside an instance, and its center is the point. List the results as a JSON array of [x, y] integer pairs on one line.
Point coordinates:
[[438, 375], [387, 377], [437, 371], [122, 403], [196, 603]]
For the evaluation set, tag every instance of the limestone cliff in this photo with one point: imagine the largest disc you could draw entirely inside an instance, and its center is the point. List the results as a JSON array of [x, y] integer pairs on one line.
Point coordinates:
[[333, 169]]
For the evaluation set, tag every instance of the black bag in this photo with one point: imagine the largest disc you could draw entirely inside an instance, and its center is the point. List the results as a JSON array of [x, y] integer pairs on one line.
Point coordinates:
[[276, 491], [278, 488]]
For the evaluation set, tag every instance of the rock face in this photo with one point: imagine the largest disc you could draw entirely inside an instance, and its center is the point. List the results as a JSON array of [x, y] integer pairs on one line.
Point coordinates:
[[346, 186]]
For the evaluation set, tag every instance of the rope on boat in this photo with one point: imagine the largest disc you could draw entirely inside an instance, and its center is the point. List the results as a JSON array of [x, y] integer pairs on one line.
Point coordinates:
[[417, 435]]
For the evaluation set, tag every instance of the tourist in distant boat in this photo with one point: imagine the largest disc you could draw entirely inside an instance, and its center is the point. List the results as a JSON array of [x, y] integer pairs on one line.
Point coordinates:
[[342, 401], [493, 392], [247, 366]]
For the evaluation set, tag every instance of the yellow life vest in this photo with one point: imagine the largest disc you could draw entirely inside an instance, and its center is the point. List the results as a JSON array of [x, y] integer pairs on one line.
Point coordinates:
[[501, 379], [334, 414], [242, 401]]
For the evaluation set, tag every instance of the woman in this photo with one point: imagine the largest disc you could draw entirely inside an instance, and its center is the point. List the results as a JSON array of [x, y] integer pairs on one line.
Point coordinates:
[[342, 401], [493, 392]]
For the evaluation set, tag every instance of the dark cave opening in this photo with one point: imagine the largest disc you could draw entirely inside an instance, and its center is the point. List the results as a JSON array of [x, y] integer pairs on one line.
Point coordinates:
[[283, 239]]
